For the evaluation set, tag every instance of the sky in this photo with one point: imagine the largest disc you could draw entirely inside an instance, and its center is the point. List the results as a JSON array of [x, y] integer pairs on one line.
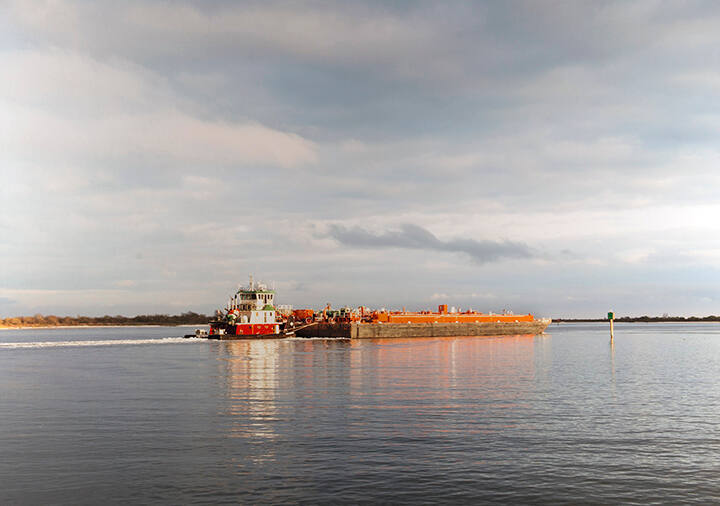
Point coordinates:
[[559, 158]]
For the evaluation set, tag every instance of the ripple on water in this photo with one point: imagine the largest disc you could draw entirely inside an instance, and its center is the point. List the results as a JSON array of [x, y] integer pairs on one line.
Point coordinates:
[[561, 418]]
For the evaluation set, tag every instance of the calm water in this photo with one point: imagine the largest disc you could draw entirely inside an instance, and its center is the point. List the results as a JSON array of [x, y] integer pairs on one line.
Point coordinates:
[[137, 415]]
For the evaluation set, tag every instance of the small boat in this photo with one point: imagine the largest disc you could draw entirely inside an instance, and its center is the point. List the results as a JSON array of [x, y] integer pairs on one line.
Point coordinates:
[[199, 334]]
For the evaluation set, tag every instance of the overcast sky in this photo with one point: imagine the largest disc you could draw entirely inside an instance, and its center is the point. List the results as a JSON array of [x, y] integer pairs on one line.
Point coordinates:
[[561, 158]]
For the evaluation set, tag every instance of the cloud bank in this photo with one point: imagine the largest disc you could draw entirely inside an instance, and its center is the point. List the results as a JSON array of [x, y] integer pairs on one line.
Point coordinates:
[[415, 237]]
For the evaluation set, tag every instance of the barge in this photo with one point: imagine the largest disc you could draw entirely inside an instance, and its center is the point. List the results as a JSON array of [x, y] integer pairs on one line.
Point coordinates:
[[442, 323], [251, 314]]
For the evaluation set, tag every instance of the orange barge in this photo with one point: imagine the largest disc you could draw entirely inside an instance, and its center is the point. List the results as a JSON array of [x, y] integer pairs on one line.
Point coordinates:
[[443, 316], [442, 323]]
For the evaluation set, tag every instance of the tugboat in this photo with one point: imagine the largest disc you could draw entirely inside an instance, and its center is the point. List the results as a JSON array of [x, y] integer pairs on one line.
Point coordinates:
[[250, 314]]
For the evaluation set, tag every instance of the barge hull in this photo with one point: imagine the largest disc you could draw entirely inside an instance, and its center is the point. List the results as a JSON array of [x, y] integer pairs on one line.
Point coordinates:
[[238, 337], [441, 329]]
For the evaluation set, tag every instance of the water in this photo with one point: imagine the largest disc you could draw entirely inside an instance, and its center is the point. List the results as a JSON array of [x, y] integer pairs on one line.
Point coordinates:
[[139, 415]]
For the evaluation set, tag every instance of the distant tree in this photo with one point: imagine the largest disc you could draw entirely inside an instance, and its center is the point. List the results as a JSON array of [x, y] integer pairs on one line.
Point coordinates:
[[186, 318]]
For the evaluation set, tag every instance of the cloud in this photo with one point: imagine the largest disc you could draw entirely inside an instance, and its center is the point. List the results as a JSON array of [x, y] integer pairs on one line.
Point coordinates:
[[344, 34], [463, 296], [65, 106], [415, 237]]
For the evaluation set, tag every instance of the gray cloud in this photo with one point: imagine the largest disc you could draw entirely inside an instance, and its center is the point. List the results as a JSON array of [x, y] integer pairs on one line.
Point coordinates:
[[415, 237]]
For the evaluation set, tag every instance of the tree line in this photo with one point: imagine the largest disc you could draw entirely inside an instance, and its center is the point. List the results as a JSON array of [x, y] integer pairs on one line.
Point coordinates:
[[645, 319], [39, 320]]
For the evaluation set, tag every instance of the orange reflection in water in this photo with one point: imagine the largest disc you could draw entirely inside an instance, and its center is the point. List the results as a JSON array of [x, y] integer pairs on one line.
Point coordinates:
[[432, 378], [413, 386]]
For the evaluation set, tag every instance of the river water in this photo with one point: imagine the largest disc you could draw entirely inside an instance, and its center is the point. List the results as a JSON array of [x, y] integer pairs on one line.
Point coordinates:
[[140, 415]]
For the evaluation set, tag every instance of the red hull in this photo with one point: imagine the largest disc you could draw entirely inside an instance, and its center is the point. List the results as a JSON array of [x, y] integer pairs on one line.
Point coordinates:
[[248, 329]]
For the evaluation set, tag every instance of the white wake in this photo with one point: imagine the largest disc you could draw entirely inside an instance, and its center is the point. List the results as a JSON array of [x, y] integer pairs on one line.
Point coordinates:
[[113, 342]]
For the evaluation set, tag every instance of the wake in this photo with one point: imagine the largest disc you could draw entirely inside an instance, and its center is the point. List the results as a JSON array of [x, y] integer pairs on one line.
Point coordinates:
[[113, 342]]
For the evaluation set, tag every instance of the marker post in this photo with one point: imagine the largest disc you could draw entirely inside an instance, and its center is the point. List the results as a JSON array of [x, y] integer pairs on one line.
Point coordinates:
[[611, 317]]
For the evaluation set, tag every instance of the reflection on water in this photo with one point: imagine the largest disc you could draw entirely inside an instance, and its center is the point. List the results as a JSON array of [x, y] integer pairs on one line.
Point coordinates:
[[250, 377], [413, 387], [431, 380], [612, 367]]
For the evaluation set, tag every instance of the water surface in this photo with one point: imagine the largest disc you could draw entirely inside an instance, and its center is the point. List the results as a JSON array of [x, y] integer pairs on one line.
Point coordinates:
[[141, 415]]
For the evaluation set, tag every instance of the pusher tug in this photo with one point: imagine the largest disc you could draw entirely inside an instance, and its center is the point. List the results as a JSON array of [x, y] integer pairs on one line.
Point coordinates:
[[250, 313]]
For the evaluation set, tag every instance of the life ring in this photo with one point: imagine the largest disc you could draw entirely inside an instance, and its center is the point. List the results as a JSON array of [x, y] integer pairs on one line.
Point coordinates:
[[308, 320]]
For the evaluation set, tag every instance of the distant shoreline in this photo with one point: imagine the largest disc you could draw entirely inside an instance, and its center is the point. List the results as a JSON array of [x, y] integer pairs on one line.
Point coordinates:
[[642, 319], [40, 327], [152, 320]]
